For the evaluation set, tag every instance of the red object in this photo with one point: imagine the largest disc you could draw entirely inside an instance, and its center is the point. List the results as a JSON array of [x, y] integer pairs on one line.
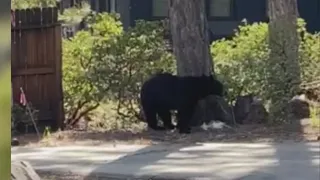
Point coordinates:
[[23, 99], [13, 19]]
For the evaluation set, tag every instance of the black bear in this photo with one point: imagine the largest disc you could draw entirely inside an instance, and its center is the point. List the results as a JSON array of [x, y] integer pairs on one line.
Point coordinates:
[[164, 92]]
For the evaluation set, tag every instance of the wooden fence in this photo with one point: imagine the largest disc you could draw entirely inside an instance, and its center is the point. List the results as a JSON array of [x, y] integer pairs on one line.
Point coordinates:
[[36, 62]]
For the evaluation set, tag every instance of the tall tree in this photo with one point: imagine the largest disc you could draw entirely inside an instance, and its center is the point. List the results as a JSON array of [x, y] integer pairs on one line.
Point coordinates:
[[188, 24], [284, 69], [190, 40]]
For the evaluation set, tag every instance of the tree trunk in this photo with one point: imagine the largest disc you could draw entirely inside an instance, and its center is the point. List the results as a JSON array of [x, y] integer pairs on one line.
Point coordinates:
[[284, 69], [190, 40]]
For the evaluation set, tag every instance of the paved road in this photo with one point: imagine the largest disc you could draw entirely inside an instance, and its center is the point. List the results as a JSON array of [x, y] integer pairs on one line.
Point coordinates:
[[210, 161]]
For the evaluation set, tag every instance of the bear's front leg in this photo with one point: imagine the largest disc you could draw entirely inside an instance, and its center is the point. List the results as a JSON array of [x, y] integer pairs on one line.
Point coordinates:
[[165, 116], [184, 117], [151, 118]]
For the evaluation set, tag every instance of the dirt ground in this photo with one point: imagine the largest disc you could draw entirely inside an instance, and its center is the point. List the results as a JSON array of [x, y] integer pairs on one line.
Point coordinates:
[[244, 133]]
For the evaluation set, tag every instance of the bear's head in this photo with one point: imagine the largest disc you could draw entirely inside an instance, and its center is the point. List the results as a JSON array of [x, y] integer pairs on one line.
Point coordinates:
[[214, 86]]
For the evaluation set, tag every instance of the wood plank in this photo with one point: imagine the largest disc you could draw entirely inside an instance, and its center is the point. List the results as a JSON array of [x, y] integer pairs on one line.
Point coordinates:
[[33, 27], [36, 62], [32, 71], [59, 90]]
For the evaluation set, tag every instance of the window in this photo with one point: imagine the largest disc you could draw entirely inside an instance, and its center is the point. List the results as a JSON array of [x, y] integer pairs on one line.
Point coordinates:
[[220, 8], [160, 8]]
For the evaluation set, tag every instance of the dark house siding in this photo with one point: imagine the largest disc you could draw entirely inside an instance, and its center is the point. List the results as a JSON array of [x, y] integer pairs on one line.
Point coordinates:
[[251, 10], [140, 9], [310, 11], [104, 6]]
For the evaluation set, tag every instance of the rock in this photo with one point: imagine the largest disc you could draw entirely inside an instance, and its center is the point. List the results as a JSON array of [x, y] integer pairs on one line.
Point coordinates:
[[210, 109], [249, 109], [257, 113], [242, 107], [22, 170], [15, 142], [298, 108]]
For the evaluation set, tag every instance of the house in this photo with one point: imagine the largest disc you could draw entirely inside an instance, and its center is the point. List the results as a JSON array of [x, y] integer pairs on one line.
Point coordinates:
[[223, 15]]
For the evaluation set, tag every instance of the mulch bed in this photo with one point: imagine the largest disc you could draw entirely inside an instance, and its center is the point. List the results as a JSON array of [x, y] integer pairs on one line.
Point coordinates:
[[244, 133]]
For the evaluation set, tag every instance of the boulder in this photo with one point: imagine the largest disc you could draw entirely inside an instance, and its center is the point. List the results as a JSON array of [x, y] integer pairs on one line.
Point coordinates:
[[212, 108], [249, 109], [298, 108], [15, 142], [22, 170], [242, 107], [257, 113]]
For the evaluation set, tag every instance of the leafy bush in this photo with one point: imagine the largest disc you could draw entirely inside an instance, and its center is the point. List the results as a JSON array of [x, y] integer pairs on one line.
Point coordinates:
[[309, 55], [103, 63], [315, 116], [76, 13], [241, 61], [80, 93], [23, 4], [127, 61], [106, 64]]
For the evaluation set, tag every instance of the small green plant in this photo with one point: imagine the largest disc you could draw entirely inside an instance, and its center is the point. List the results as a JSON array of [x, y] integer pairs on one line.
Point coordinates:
[[315, 116], [21, 115], [46, 132]]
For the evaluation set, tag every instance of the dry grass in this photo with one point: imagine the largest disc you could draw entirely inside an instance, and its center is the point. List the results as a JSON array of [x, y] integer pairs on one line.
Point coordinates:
[[105, 128], [105, 118], [246, 133]]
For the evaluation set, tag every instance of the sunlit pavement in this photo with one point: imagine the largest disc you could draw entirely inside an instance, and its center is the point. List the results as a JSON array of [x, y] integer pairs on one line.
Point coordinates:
[[227, 161]]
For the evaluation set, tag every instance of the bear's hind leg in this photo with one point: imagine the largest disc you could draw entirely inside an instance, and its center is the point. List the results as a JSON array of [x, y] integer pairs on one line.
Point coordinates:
[[165, 116]]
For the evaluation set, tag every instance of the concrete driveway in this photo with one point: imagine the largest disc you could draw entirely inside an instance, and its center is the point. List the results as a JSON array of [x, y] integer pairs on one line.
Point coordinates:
[[225, 161]]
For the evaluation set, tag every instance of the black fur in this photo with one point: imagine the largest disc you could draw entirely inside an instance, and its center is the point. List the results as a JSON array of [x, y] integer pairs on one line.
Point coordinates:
[[164, 92]]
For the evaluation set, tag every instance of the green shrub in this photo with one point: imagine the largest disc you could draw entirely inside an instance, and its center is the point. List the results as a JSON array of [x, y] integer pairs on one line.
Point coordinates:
[[104, 63], [23, 4], [75, 14], [309, 55], [315, 116], [126, 62], [80, 93], [107, 64], [241, 61]]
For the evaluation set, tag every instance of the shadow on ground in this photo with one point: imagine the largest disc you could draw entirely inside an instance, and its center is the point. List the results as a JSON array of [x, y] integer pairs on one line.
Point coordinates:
[[218, 161]]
